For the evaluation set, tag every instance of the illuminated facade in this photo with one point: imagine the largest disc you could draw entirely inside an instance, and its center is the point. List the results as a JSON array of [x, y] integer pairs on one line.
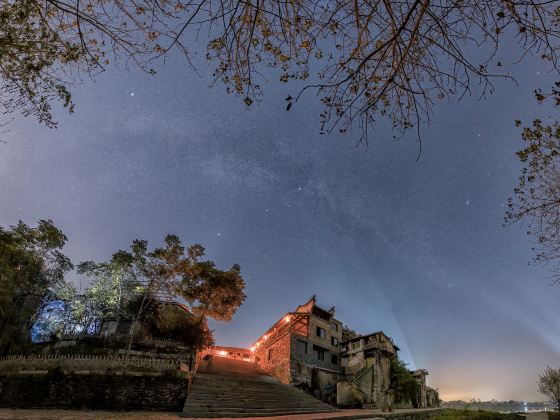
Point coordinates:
[[304, 341], [236, 353], [305, 348]]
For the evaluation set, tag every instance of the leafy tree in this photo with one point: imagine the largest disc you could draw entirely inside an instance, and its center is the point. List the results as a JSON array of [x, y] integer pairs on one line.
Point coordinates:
[[536, 200], [549, 385], [212, 292], [109, 294], [366, 60], [48, 325], [32, 268], [170, 321], [55, 315], [348, 333], [164, 274], [402, 382]]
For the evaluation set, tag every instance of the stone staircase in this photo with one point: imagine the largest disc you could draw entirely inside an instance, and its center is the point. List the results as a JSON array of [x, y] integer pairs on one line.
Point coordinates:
[[234, 388]]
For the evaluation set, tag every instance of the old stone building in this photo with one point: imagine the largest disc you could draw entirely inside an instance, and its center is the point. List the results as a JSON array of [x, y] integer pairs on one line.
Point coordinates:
[[235, 353], [420, 376], [305, 348], [366, 364]]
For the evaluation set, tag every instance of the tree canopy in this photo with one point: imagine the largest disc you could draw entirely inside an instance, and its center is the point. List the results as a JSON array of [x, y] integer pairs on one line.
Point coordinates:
[[536, 199], [549, 385], [32, 269], [37, 303], [134, 282], [365, 60], [402, 382]]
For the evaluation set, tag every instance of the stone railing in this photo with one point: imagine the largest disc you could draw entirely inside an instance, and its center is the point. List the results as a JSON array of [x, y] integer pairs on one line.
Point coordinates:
[[75, 363], [125, 338]]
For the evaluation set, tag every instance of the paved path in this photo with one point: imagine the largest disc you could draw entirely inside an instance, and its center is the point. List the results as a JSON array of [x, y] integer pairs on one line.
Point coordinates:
[[17, 414], [535, 416]]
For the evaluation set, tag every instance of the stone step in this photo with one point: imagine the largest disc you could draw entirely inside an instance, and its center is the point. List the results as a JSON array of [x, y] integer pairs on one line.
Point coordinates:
[[249, 393], [207, 399], [194, 404], [246, 388], [239, 392], [252, 410], [229, 414], [238, 383], [222, 384], [262, 404], [250, 398], [256, 404], [235, 389]]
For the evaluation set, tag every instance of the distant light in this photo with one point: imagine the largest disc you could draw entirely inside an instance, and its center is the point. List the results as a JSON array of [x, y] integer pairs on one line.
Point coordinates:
[[287, 319], [265, 337], [223, 353], [131, 93], [252, 349]]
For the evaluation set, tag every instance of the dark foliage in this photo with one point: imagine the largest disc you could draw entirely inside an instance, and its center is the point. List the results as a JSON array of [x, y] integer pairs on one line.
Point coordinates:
[[403, 383]]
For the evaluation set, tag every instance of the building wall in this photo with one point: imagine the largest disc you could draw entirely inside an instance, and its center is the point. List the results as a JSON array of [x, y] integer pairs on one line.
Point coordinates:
[[352, 360], [315, 342], [236, 353], [432, 397], [274, 358]]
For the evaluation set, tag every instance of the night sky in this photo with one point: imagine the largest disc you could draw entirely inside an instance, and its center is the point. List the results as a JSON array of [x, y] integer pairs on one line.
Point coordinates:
[[415, 248]]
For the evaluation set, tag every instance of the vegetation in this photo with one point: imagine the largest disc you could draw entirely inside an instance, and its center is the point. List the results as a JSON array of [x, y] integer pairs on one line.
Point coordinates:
[[455, 414], [32, 269], [37, 303], [536, 200], [549, 385], [365, 60], [171, 322], [403, 384], [348, 333]]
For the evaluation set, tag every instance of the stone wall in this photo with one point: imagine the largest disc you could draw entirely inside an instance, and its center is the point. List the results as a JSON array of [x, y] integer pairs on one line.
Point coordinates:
[[274, 358], [94, 391], [302, 375], [114, 345], [303, 352], [89, 363], [432, 397], [93, 382]]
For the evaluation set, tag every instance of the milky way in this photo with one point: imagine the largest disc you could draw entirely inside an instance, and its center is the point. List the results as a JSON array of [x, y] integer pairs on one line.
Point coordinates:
[[415, 248]]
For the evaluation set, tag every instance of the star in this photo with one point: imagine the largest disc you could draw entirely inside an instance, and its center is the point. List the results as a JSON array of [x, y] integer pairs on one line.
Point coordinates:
[[131, 93]]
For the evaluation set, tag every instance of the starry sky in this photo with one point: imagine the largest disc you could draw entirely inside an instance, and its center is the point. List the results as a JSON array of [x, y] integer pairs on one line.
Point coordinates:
[[414, 248]]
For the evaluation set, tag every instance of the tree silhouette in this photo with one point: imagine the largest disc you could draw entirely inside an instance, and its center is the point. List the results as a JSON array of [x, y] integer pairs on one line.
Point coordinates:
[[365, 60]]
